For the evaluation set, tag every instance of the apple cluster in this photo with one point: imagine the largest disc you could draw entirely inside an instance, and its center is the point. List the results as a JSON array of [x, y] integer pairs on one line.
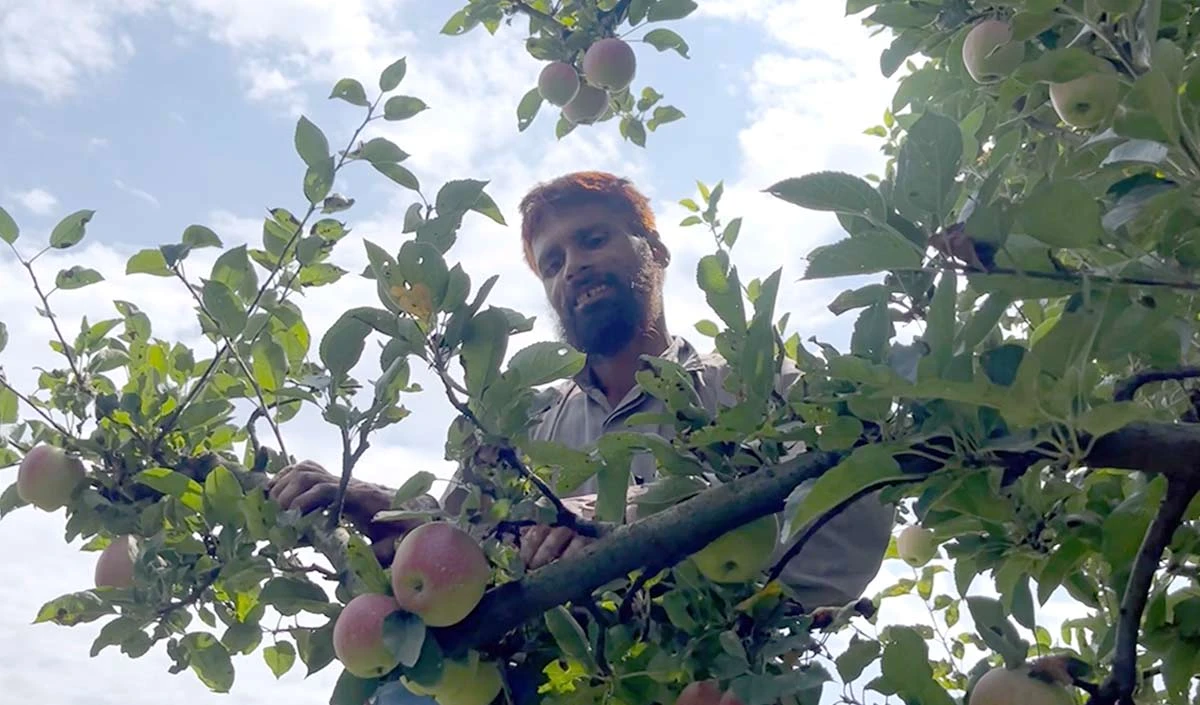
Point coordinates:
[[990, 55], [609, 65], [439, 574]]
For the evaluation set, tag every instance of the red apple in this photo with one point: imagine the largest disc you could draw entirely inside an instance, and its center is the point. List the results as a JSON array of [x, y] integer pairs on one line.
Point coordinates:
[[558, 83], [114, 566], [47, 477], [706, 692], [587, 106], [358, 636], [610, 63], [439, 573]]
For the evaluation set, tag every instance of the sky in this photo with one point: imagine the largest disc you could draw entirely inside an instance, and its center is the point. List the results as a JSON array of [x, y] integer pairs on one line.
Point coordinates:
[[163, 114]]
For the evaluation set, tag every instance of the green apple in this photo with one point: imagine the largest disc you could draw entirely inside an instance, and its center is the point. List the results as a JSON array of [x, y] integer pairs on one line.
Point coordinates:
[[114, 565], [558, 83], [439, 573], [1088, 100], [1005, 686], [741, 554], [989, 52], [610, 64], [468, 681], [916, 545], [47, 477], [587, 106], [358, 636]]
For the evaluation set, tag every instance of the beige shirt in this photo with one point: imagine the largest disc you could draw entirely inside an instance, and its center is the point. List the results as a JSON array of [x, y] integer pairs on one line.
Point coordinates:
[[837, 563]]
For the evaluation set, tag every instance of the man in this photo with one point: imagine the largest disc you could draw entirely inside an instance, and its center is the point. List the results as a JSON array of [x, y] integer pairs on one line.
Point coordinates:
[[591, 239]]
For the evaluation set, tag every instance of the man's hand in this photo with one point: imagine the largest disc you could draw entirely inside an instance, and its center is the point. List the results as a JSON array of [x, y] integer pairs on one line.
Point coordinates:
[[308, 487], [542, 544]]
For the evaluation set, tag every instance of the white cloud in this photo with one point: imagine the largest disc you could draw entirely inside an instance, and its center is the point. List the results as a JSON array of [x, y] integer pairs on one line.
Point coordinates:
[[136, 192], [38, 201]]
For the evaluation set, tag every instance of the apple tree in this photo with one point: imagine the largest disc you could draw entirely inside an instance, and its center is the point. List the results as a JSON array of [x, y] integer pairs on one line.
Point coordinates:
[[1036, 226]]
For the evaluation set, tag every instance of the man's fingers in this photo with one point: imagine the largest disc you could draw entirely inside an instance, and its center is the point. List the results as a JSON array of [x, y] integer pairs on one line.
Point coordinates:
[[296, 485], [531, 540], [578, 543], [315, 497], [552, 547]]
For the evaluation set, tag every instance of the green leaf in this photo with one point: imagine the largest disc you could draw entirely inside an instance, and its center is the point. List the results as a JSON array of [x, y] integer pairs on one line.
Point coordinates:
[[148, 261], [402, 107], [290, 594], [399, 174], [381, 149], [234, 269], [9, 402], [665, 39], [9, 232], [318, 180], [487, 206], [403, 635], [528, 107], [721, 291], [342, 345], [665, 10], [867, 466], [113, 633], [280, 657], [198, 236], [906, 667], [77, 277], [832, 191], [351, 91], [310, 142], [70, 230], [222, 494], [223, 305], [872, 251], [1060, 66], [73, 608], [315, 646], [391, 76], [859, 654], [352, 690], [569, 636], [416, 485], [458, 196], [484, 343], [544, 362], [209, 660], [926, 168], [992, 624], [1063, 214], [664, 114], [940, 323]]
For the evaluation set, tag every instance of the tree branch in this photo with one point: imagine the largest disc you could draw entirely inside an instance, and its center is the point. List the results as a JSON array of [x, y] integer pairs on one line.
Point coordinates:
[[1125, 390], [1119, 686], [669, 536]]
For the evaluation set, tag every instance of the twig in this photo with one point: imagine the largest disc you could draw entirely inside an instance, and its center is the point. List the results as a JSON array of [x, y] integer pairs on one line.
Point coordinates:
[[262, 290], [1121, 682], [41, 412], [258, 391], [625, 611], [1126, 389], [1102, 35], [565, 516], [825, 518], [349, 458], [50, 314]]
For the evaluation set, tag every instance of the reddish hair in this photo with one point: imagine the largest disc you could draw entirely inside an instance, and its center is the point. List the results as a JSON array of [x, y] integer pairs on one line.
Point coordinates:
[[585, 187]]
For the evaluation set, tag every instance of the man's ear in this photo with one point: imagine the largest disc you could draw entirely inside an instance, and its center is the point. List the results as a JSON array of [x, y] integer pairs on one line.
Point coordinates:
[[662, 256]]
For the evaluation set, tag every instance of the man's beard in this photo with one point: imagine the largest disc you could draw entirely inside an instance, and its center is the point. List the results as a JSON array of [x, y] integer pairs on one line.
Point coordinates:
[[604, 327]]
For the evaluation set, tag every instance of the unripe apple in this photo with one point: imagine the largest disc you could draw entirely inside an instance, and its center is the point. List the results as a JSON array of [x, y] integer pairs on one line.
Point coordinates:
[[47, 477], [358, 636], [989, 53], [610, 63], [439, 573], [587, 106], [916, 545], [740, 554], [1004, 686], [1088, 100], [558, 83], [466, 681], [114, 565]]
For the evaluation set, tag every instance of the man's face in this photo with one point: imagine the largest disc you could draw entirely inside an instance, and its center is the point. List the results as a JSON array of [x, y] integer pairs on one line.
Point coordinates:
[[603, 281]]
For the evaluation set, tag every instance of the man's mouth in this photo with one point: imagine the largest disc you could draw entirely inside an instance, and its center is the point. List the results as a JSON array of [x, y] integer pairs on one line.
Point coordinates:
[[591, 294]]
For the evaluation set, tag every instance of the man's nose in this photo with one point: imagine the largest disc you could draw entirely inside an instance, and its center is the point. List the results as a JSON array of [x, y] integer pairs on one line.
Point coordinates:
[[577, 264]]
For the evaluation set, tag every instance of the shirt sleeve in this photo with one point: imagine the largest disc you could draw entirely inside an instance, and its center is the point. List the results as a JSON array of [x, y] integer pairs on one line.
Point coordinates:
[[838, 562]]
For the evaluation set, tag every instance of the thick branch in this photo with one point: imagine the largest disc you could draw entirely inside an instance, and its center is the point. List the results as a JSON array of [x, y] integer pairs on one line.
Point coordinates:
[[1127, 388], [1119, 686], [665, 538]]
